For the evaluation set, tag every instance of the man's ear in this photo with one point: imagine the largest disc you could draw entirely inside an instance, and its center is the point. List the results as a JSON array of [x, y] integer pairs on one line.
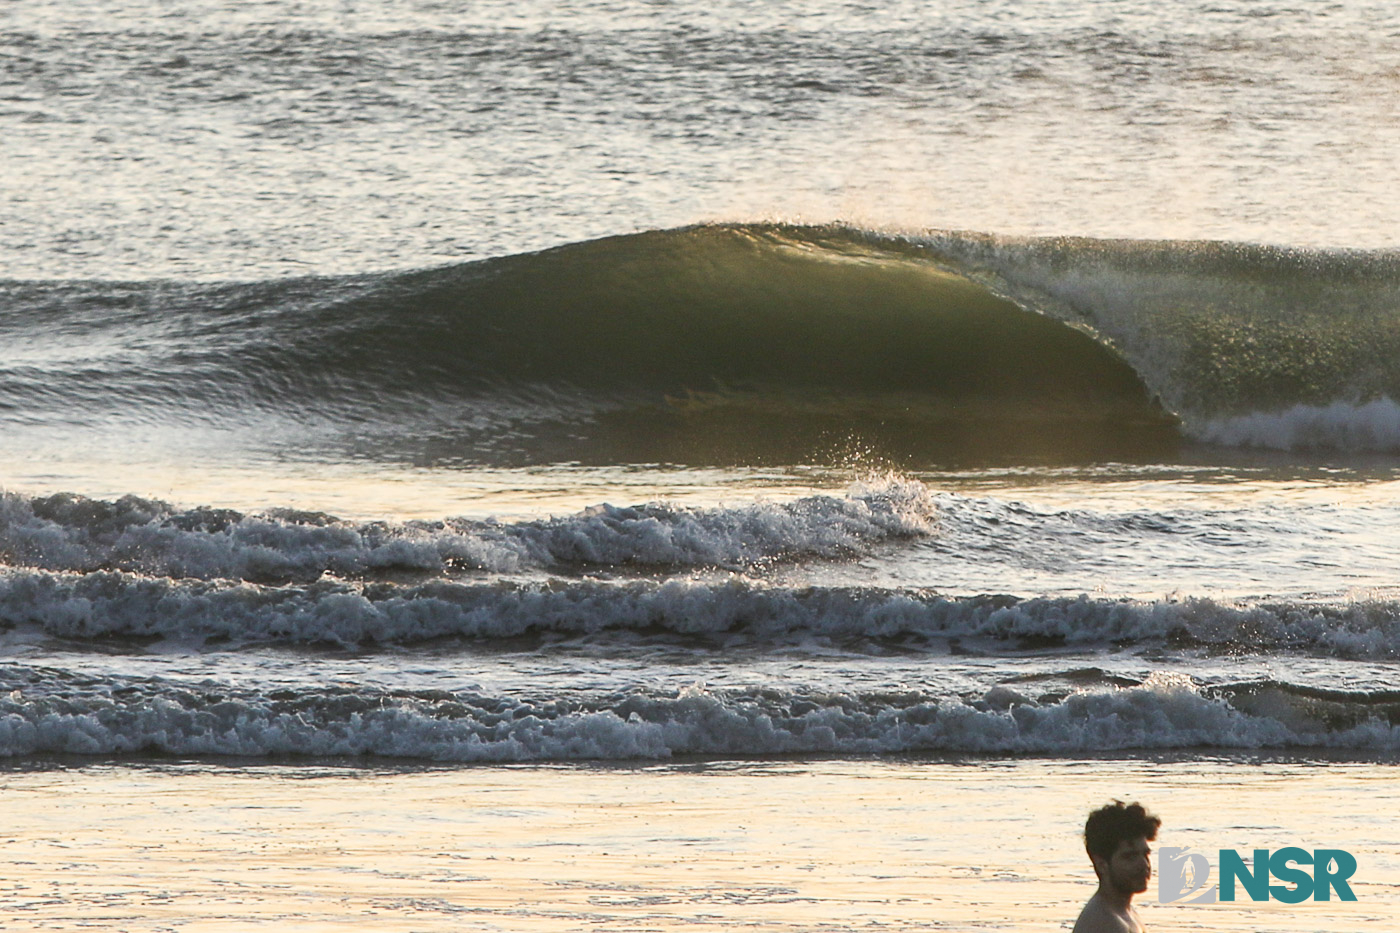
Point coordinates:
[[1100, 864]]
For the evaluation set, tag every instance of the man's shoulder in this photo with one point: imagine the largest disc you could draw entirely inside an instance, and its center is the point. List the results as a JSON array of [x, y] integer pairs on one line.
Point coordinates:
[[1098, 917]]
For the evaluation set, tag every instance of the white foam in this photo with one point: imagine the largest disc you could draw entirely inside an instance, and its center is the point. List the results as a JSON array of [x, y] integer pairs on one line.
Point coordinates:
[[71, 533], [1159, 714], [1364, 427], [114, 604]]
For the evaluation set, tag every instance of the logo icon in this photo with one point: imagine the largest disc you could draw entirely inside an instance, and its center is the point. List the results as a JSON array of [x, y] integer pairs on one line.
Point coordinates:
[[1183, 875]]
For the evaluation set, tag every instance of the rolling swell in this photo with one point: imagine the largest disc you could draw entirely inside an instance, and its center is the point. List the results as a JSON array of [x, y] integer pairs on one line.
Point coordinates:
[[744, 343]]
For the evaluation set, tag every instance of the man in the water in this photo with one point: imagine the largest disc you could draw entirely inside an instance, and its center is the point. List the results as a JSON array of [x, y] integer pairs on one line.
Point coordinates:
[[1116, 838]]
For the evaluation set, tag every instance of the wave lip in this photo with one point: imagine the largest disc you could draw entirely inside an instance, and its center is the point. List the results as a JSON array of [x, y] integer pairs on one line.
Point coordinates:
[[47, 713]]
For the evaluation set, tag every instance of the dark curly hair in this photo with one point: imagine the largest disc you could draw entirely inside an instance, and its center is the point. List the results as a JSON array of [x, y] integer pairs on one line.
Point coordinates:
[[1110, 825]]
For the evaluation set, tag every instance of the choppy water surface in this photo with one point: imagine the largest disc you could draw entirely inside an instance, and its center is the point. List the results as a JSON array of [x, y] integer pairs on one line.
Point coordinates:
[[249, 140]]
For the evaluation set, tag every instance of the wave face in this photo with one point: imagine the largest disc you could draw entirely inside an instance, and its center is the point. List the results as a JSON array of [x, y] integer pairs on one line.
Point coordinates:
[[743, 343]]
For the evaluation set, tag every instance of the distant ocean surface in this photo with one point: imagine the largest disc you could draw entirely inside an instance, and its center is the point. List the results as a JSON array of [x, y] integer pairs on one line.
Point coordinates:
[[424, 385]]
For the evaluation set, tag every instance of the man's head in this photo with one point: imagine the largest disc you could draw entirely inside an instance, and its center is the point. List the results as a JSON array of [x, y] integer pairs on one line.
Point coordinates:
[[1116, 838]]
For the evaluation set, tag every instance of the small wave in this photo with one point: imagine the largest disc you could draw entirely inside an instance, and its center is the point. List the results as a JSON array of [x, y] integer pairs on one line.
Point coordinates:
[[69, 532], [45, 712], [109, 604]]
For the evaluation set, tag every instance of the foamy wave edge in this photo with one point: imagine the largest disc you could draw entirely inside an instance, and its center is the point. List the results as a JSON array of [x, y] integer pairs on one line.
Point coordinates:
[[1369, 427], [342, 614], [1166, 712]]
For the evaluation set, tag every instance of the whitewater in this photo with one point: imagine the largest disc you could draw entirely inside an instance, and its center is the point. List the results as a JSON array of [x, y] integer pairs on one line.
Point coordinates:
[[657, 465]]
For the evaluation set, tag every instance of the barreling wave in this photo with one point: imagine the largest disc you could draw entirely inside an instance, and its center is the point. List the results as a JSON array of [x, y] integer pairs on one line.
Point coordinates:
[[45, 712], [743, 343], [1252, 345]]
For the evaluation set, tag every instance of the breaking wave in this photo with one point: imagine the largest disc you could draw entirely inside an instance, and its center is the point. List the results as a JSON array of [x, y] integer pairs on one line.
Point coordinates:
[[71, 532], [105, 605], [753, 342]]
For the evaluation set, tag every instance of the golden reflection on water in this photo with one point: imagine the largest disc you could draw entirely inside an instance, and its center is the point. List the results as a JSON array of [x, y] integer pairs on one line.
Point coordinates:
[[802, 845], [370, 491]]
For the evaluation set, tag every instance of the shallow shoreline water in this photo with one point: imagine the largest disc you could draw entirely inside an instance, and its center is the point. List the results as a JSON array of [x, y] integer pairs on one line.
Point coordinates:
[[781, 845]]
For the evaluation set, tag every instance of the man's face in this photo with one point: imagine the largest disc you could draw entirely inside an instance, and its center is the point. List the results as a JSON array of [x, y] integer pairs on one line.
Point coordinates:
[[1130, 868]]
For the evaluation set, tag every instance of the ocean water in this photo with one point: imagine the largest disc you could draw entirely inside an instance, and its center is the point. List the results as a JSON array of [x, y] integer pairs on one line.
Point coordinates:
[[722, 464]]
